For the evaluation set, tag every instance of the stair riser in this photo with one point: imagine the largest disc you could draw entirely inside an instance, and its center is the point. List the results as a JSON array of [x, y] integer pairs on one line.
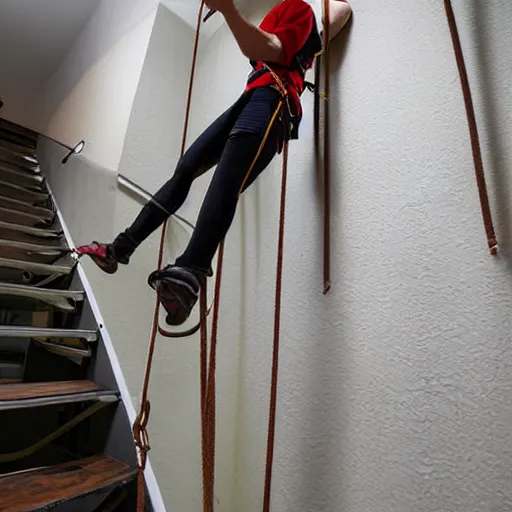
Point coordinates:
[[19, 236], [22, 194], [43, 214], [20, 254], [24, 219], [30, 181]]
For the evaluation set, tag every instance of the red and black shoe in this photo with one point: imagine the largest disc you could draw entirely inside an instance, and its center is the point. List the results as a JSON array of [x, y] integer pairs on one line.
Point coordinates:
[[101, 254], [178, 290]]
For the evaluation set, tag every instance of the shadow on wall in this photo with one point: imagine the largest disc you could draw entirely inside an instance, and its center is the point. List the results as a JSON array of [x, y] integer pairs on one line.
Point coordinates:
[[112, 21], [84, 192], [493, 118]]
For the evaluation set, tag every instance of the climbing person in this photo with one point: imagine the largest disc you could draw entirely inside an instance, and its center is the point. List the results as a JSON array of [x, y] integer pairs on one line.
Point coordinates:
[[241, 142]]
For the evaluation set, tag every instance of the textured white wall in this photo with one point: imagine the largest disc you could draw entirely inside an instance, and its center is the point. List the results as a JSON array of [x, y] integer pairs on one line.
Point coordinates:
[[394, 388], [91, 94]]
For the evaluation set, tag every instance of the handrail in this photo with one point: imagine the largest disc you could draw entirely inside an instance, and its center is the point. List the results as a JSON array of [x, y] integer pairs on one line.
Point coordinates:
[[142, 193]]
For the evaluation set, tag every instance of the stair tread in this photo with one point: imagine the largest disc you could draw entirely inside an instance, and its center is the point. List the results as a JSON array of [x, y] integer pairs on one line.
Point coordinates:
[[32, 247], [37, 253], [37, 196], [42, 488], [25, 215], [22, 288], [44, 389], [29, 230], [36, 268], [37, 394], [42, 332], [15, 174], [17, 205]]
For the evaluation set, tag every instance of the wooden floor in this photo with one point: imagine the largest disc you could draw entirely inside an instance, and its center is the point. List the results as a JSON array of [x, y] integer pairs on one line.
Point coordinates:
[[38, 489]]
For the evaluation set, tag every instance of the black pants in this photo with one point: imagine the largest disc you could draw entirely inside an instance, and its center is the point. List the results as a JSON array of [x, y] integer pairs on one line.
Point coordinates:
[[232, 142]]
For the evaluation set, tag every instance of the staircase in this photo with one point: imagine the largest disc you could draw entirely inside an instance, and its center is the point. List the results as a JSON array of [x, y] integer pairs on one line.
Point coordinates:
[[65, 438]]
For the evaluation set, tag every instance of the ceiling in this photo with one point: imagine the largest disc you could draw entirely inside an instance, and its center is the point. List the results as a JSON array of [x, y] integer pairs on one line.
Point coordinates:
[[35, 35]]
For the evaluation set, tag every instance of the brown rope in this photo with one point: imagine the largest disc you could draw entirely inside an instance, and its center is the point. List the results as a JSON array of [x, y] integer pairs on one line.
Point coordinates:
[[277, 326], [208, 382], [205, 427], [473, 130], [208, 409], [140, 434], [327, 152]]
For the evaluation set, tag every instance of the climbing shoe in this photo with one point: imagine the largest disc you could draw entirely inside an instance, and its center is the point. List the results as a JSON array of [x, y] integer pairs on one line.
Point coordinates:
[[178, 290], [101, 254]]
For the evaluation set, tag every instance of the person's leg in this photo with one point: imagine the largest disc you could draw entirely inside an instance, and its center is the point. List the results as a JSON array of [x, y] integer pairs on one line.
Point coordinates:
[[243, 159], [202, 155]]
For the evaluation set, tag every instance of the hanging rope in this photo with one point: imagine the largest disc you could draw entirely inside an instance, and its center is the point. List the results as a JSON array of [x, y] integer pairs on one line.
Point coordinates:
[[207, 371], [208, 384], [207, 464], [276, 342], [208, 389], [140, 434], [473, 130], [327, 151]]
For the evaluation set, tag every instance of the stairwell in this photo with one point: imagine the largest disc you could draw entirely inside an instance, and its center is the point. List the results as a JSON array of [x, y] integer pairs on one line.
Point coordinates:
[[65, 437]]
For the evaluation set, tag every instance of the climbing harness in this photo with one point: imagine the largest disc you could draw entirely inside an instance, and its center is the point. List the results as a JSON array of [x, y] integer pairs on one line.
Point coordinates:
[[473, 130], [208, 355]]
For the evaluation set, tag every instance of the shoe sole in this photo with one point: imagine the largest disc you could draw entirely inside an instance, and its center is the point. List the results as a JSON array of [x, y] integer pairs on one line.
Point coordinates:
[[177, 312], [108, 268]]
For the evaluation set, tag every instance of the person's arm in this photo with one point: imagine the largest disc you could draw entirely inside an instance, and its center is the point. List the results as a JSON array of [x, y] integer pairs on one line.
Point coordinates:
[[254, 43], [339, 14]]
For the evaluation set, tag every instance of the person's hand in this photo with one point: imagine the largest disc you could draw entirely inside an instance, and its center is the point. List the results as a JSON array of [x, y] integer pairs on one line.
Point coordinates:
[[219, 5]]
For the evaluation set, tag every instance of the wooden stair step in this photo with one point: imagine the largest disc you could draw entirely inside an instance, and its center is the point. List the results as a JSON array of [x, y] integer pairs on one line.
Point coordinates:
[[22, 218], [7, 331], [38, 394], [40, 489], [44, 214], [20, 130], [62, 342], [9, 125], [21, 163], [36, 253], [64, 300], [21, 178], [34, 274], [16, 148], [36, 268], [21, 193], [22, 233]]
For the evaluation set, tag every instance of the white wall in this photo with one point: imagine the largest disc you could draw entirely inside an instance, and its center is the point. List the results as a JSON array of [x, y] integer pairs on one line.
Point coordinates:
[[34, 38], [91, 94], [394, 388]]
